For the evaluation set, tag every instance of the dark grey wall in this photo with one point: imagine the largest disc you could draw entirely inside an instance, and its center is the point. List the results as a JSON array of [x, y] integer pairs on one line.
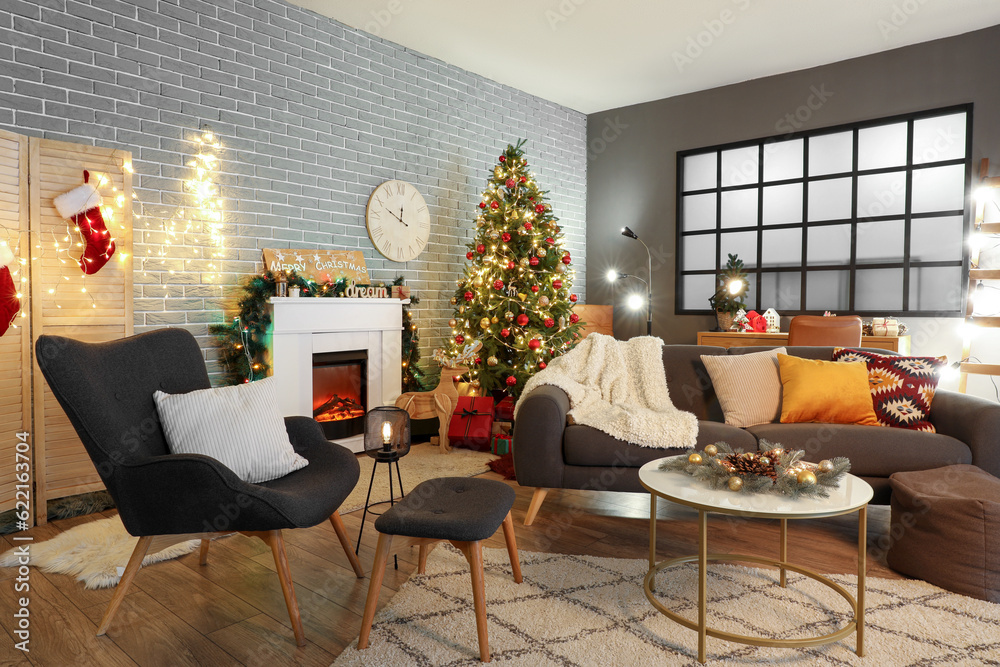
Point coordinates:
[[633, 155]]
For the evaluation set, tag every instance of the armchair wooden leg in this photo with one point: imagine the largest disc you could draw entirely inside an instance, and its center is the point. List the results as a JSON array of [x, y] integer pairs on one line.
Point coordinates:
[[134, 563], [536, 504], [338, 527], [508, 536], [425, 549], [374, 587], [203, 554], [277, 543]]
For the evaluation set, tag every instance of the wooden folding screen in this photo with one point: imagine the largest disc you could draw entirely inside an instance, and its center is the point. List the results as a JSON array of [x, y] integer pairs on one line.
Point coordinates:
[[15, 357], [60, 306]]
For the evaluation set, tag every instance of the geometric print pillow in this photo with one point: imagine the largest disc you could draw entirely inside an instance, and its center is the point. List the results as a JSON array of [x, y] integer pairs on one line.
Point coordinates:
[[902, 387]]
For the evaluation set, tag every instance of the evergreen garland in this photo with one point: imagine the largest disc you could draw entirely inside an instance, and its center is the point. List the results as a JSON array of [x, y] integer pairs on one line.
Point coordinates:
[[242, 347]]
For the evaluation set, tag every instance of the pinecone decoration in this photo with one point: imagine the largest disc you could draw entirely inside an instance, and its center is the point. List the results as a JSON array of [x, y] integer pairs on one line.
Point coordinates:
[[751, 463]]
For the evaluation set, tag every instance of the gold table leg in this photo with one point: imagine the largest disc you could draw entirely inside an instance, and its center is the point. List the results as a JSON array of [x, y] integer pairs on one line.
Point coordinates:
[[783, 549], [652, 535], [859, 615], [702, 583]]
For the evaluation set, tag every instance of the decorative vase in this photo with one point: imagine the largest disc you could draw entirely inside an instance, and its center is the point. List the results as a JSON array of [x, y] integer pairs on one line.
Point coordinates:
[[724, 319]]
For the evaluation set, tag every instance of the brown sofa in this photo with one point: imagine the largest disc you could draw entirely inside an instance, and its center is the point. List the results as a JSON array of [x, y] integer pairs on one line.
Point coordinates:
[[549, 454]]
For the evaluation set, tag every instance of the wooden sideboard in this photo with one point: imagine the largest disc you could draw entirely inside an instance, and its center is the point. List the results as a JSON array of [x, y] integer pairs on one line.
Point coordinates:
[[727, 339]]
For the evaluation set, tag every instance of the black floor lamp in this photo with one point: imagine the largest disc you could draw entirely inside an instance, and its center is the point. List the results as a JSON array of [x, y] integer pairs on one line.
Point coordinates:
[[649, 285]]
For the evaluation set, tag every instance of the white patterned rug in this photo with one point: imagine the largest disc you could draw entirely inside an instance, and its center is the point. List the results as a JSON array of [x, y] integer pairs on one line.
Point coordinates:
[[95, 552], [583, 610]]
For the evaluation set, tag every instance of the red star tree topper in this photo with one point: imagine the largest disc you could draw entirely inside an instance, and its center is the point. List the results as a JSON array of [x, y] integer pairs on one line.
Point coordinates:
[[515, 294]]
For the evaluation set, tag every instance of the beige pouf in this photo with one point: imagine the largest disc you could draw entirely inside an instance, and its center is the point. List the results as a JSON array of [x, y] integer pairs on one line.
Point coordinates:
[[946, 529]]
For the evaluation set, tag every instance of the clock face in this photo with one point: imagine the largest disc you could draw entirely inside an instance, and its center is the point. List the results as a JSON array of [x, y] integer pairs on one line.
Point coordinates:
[[398, 221]]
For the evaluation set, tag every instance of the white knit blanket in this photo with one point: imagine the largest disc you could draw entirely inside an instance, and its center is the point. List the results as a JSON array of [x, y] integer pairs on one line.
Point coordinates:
[[620, 388]]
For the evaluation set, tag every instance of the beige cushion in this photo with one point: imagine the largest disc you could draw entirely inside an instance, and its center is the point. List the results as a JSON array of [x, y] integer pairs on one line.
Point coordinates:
[[748, 386]]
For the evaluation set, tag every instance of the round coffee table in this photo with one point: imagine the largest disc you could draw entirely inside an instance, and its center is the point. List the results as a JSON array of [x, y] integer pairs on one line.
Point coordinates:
[[852, 495]]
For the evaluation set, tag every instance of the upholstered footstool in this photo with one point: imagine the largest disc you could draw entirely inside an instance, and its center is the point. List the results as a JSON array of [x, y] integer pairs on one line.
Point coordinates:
[[463, 510], [946, 529]]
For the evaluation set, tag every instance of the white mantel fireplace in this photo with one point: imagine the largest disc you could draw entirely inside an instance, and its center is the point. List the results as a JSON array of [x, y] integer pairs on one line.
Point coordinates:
[[303, 327]]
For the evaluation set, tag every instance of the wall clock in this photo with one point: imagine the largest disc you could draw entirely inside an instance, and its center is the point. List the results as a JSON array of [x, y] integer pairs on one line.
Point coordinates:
[[398, 221]]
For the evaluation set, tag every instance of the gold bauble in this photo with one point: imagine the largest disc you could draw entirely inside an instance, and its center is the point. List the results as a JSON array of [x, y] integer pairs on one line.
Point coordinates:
[[735, 483], [711, 450], [480, 224], [806, 477], [826, 465], [498, 171], [475, 383], [452, 323], [542, 252], [543, 301], [560, 268], [764, 461], [478, 282], [508, 315], [521, 230], [694, 458], [484, 323], [494, 234], [524, 262], [492, 361], [461, 309], [494, 319], [453, 301]]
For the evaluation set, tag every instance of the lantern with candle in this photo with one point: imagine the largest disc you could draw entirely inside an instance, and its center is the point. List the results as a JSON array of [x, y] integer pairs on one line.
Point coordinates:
[[387, 439]]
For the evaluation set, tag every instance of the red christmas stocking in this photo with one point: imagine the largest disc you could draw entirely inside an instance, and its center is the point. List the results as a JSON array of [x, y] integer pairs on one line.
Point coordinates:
[[10, 305], [82, 205]]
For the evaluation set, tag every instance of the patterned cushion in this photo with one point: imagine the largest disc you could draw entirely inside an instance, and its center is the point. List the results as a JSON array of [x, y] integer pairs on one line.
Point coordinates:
[[902, 387]]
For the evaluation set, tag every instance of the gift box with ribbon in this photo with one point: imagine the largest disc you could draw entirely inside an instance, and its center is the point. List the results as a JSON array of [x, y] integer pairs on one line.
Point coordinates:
[[500, 444], [472, 424], [504, 410]]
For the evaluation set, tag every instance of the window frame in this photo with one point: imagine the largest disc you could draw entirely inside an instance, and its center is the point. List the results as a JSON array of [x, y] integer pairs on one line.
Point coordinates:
[[756, 274]]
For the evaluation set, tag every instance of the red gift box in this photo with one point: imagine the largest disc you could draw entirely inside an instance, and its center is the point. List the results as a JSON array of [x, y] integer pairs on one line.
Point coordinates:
[[504, 410], [472, 424]]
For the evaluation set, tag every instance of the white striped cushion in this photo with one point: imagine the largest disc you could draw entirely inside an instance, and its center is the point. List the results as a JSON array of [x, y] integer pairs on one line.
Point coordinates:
[[748, 386], [240, 426]]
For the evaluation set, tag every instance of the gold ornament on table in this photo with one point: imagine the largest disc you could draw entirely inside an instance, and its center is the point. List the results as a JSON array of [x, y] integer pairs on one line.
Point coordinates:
[[772, 469]]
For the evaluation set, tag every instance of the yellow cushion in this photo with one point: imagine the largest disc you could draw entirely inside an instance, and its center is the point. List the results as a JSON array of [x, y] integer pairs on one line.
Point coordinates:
[[825, 391]]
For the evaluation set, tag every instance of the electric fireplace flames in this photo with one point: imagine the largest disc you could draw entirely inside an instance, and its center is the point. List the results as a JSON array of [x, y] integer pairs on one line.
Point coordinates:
[[340, 389]]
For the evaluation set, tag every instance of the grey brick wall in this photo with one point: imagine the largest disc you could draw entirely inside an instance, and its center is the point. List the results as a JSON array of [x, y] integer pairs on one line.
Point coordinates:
[[312, 116]]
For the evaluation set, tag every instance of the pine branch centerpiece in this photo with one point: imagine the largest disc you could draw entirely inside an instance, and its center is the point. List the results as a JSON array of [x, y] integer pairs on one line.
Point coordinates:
[[773, 469]]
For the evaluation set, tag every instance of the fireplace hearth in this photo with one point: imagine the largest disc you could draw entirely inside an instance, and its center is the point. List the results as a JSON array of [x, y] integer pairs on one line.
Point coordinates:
[[340, 390]]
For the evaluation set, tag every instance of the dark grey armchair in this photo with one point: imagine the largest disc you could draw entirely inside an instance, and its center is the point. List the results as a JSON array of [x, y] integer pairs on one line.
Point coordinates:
[[107, 391]]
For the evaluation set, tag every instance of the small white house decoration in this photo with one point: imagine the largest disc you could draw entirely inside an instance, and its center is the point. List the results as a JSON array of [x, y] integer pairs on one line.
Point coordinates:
[[773, 320]]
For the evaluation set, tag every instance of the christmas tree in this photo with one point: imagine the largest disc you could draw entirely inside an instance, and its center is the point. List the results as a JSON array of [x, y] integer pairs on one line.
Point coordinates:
[[516, 294]]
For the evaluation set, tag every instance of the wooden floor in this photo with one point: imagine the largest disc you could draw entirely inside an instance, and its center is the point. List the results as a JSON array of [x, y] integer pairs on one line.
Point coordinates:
[[232, 612]]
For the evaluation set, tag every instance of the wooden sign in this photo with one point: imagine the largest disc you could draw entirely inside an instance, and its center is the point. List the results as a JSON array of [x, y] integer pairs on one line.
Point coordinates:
[[319, 265]]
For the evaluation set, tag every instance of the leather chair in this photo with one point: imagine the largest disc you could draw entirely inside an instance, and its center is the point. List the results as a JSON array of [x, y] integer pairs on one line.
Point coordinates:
[[816, 330], [106, 390]]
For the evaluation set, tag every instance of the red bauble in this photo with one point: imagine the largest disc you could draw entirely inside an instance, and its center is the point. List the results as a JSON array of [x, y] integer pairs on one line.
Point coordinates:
[[574, 318], [459, 339], [468, 255], [573, 298], [468, 296], [566, 259], [498, 284], [503, 158], [480, 248], [534, 344], [494, 205], [533, 261], [522, 319], [482, 204], [528, 226], [557, 284], [510, 265], [505, 237], [549, 322], [505, 332], [542, 365], [523, 179], [550, 240], [534, 288], [511, 183], [511, 380], [479, 360], [539, 208]]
